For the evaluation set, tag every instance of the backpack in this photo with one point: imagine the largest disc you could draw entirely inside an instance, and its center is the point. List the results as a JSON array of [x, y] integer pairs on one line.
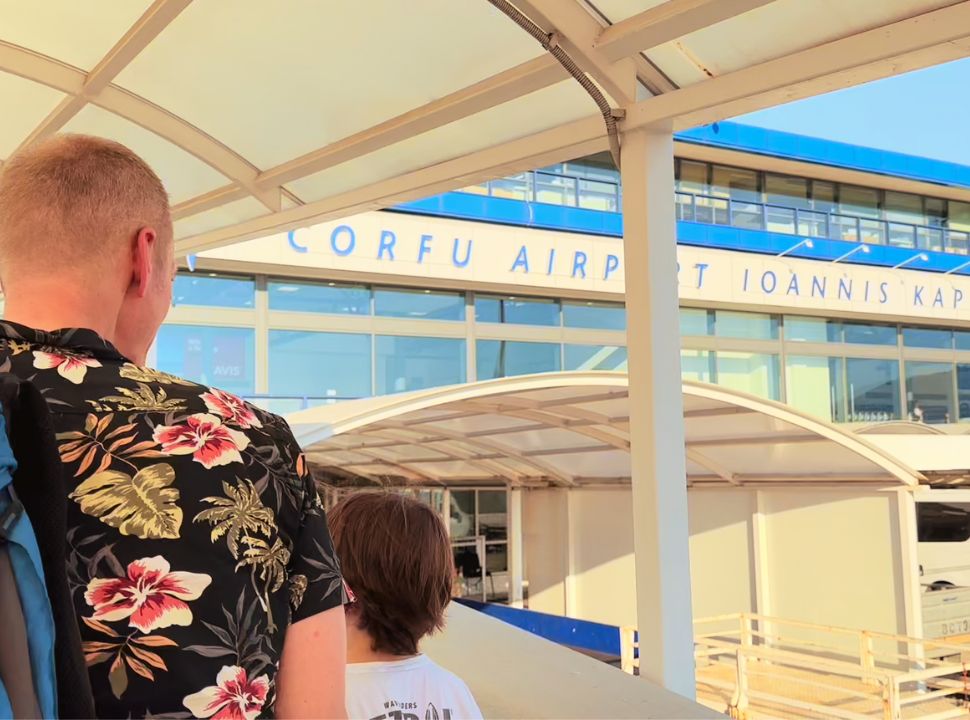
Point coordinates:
[[42, 669]]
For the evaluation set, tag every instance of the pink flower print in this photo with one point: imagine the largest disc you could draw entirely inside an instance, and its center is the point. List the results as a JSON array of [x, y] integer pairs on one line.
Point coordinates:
[[233, 697], [205, 438], [150, 595]]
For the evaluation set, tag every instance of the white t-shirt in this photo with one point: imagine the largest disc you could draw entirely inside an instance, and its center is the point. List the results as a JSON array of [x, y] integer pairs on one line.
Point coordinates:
[[410, 689]]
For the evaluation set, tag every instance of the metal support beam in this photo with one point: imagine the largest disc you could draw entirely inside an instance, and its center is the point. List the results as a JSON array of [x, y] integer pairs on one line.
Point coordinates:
[[660, 530], [667, 21], [577, 32]]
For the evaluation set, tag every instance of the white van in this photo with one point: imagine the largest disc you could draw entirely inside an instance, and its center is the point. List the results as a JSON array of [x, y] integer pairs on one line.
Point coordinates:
[[943, 529]]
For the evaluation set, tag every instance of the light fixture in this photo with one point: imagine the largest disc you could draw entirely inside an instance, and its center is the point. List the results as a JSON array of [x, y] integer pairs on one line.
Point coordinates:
[[804, 243], [958, 267], [864, 249], [922, 257]]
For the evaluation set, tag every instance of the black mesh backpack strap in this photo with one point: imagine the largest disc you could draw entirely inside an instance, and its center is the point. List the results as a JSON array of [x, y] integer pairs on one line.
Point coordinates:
[[39, 484]]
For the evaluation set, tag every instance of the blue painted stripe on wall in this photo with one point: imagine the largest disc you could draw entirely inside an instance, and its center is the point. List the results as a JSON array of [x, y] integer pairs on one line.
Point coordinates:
[[502, 211], [747, 138], [581, 634]]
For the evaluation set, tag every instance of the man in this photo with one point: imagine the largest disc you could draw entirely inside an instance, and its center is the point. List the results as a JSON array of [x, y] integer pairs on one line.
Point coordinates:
[[199, 555]]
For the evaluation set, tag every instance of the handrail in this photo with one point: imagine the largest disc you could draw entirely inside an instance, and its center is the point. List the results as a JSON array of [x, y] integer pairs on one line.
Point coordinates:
[[765, 660], [811, 222]]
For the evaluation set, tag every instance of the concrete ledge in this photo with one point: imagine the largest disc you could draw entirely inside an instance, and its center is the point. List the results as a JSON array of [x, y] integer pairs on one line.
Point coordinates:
[[514, 674]]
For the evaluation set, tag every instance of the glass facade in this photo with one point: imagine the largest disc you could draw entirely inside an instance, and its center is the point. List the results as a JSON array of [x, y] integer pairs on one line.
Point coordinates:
[[759, 200], [323, 342]]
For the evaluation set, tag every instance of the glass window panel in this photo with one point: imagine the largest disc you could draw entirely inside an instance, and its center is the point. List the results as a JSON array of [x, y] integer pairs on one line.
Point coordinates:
[[860, 201], [594, 357], [927, 338], [598, 195], [872, 390], [752, 373], [812, 329], [865, 334], [961, 339], [493, 521], [212, 290], [786, 190], [697, 365], [413, 363], [496, 561], [942, 522], [599, 316], [754, 326], [693, 177], [737, 183], [222, 357], [318, 364], [517, 310], [929, 392], [517, 187], [963, 391], [461, 515], [504, 358], [958, 215], [424, 304], [331, 298], [694, 321], [904, 207], [816, 385], [823, 195], [555, 189], [935, 210]]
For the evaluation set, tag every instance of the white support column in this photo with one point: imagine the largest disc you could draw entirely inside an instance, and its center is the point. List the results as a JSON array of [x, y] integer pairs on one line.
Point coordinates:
[[516, 553], [660, 531], [909, 558]]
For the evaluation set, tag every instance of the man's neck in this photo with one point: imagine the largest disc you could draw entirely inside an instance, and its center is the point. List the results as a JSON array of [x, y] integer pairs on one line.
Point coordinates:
[[48, 306]]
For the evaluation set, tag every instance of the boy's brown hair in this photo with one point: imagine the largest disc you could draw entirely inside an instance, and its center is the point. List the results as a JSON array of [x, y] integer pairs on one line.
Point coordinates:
[[396, 558]]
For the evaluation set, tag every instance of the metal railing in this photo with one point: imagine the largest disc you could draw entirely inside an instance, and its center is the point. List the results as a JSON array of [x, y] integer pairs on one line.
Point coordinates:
[[543, 186], [756, 664], [716, 210]]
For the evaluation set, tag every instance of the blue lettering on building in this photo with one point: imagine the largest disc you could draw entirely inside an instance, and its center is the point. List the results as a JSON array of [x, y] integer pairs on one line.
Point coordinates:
[[388, 239], [424, 248], [468, 254], [818, 287], [552, 260], [957, 297], [291, 239], [521, 260], [918, 295], [351, 240], [612, 263], [793, 285], [769, 281], [579, 264], [700, 267], [845, 289], [938, 299]]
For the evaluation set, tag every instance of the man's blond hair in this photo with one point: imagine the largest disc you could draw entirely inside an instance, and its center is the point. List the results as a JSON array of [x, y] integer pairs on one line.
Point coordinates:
[[73, 201]]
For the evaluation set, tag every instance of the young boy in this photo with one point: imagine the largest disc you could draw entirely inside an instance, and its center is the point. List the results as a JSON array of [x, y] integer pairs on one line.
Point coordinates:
[[397, 561]]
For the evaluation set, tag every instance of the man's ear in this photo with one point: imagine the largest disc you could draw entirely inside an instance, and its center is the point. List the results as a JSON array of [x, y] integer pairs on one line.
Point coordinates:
[[143, 261]]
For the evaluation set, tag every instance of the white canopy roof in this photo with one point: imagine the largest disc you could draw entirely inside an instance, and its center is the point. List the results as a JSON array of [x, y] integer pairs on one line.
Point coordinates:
[[573, 428], [263, 116]]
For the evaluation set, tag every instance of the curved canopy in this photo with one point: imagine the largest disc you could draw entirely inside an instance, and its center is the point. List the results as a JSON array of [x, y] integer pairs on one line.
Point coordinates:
[[573, 428], [264, 116]]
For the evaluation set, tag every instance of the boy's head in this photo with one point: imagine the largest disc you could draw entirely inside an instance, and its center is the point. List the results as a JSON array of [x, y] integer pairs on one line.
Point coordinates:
[[396, 558]]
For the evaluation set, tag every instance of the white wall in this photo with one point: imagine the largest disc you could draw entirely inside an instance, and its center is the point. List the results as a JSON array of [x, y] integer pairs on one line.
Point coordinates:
[[545, 542], [835, 558], [830, 557]]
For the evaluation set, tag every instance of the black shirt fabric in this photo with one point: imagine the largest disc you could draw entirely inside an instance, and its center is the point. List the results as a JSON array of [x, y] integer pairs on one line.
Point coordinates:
[[195, 535]]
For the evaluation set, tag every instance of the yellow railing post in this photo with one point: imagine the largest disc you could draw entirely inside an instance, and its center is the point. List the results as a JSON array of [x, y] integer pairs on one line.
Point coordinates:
[[627, 635], [867, 659], [738, 709], [890, 700], [747, 635]]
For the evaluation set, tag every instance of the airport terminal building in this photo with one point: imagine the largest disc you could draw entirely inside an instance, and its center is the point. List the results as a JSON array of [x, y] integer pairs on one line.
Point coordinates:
[[828, 278]]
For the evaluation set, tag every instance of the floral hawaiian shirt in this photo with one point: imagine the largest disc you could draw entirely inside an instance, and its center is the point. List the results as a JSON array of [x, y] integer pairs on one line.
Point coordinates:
[[195, 534]]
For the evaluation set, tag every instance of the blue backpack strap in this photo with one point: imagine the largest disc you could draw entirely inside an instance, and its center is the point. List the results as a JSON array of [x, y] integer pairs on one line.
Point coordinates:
[[20, 549]]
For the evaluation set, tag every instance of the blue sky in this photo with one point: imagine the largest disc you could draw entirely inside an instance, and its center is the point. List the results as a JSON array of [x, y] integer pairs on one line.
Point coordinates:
[[925, 113]]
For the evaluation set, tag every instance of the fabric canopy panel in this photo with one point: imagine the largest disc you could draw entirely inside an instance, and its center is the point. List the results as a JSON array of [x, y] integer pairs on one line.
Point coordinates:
[[262, 117], [571, 429]]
